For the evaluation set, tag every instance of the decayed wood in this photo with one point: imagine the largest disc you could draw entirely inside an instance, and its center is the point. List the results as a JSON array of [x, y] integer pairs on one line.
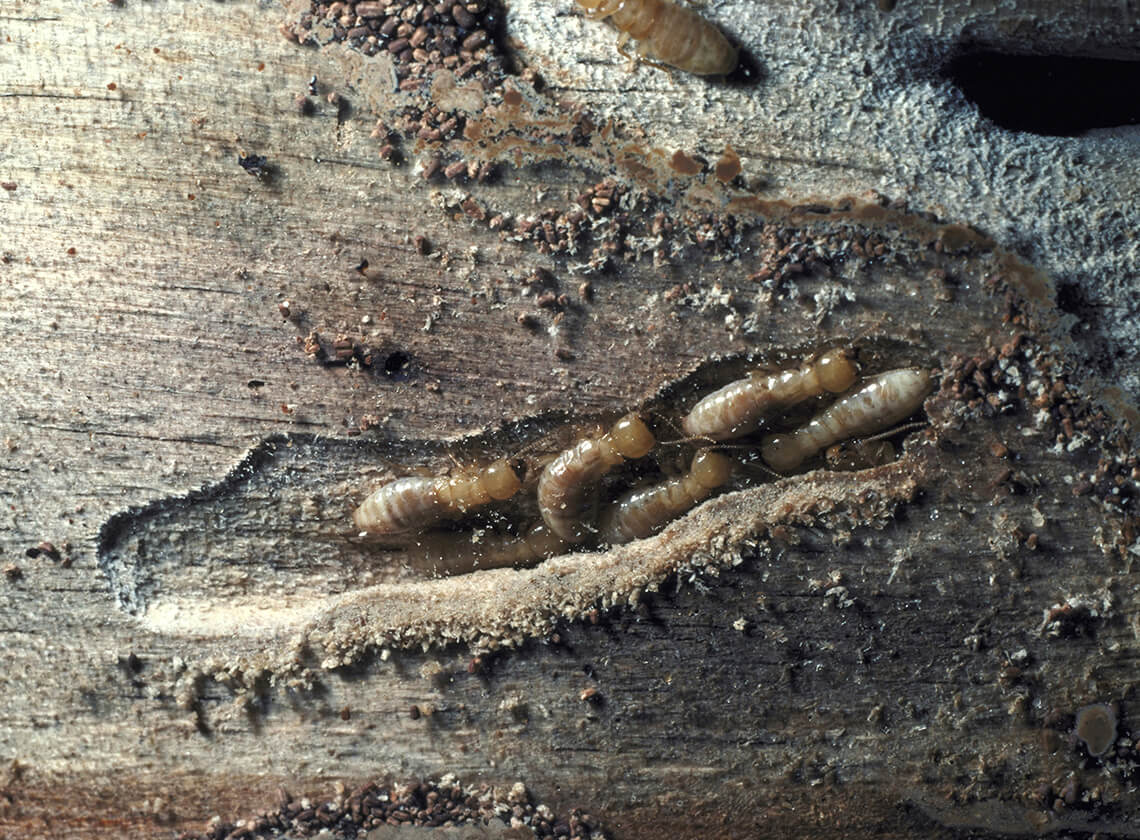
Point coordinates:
[[889, 653]]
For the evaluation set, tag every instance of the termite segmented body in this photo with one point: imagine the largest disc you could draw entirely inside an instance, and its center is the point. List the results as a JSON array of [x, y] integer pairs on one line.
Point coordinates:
[[881, 403], [639, 513], [737, 408], [444, 554], [408, 504], [668, 33], [567, 479]]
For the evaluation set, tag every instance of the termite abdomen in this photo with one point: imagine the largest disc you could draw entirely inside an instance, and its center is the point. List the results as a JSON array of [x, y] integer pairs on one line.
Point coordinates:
[[639, 513], [738, 407], [408, 504], [879, 404], [566, 481]]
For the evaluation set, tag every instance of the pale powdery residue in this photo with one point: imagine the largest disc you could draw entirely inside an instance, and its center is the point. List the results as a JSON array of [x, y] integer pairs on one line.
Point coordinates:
[[253, 618]]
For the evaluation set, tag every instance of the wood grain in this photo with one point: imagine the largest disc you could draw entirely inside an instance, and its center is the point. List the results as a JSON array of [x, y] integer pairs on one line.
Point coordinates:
[[907, 670]]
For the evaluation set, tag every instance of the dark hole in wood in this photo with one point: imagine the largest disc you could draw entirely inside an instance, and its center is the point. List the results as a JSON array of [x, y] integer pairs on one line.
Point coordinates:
[[1059, 96], [396, 364]]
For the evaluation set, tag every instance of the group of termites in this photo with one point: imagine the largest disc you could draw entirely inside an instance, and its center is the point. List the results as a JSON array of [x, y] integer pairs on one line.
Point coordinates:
[[567, 489]]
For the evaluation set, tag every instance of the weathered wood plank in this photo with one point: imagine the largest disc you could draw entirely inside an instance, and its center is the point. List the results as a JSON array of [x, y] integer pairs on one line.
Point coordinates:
[[890, 677]]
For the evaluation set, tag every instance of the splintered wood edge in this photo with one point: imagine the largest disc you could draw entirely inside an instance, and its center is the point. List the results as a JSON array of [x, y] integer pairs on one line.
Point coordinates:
[[505, 607]]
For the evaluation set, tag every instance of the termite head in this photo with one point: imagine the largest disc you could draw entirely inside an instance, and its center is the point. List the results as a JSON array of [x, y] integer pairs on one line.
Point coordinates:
[[837, 370], [781, 453], [631, 437], [711, 469], [500, 480]]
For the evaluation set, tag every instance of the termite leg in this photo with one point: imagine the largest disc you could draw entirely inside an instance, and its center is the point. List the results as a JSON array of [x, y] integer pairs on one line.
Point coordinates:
[[632, 58]]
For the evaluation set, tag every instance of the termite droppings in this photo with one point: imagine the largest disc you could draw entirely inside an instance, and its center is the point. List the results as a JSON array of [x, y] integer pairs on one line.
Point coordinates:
[[1071, 792], [343, 348], [46, 548], [312, 343], [1096, 727]]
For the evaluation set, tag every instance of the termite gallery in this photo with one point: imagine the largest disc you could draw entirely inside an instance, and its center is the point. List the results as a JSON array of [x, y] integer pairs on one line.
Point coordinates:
[[667, 33], [568, 485]]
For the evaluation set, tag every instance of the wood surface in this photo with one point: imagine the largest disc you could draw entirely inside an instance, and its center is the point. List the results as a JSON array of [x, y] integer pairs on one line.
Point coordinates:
[[895, 652]]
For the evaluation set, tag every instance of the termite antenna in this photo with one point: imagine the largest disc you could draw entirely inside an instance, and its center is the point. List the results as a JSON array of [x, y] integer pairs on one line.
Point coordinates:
[[760, 467], [879, 325], [701, 439], [905, 428]]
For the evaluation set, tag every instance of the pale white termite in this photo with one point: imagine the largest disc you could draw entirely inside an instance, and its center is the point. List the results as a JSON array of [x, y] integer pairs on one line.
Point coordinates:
[[446, 553], [738, 407], [408, 504], [566, 481], [880, 403], [667, 32], [640, 512]]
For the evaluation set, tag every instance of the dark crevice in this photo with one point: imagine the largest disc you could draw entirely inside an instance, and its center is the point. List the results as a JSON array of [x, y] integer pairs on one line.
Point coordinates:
[[1058, 96]]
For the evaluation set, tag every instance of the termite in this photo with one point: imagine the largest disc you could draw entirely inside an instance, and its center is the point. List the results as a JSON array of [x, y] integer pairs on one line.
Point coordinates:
[[737, 408], [640, 512], [881, 403], [445, 553], [411, 503], [567, 479], [667, 33]]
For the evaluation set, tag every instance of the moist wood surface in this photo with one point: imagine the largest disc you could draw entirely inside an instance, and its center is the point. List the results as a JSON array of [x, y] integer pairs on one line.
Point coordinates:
[[906, 661]]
